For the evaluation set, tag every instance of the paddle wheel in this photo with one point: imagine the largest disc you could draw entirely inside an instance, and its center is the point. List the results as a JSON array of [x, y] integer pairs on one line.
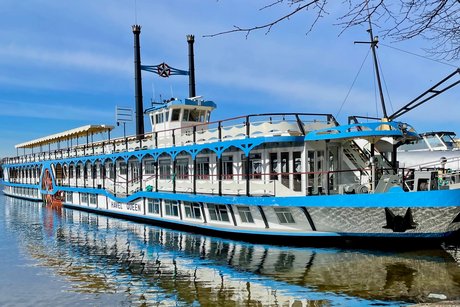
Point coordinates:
[[54, 200]]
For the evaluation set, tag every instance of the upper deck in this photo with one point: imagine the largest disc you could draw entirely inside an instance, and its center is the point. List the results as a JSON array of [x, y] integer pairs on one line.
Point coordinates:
[[233, 129]]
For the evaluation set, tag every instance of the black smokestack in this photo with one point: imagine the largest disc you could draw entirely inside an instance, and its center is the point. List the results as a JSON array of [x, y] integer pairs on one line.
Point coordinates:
[[138, 82], [191, 66]]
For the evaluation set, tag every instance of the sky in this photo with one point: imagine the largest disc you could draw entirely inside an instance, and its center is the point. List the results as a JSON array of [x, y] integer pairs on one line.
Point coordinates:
[[65, 64]]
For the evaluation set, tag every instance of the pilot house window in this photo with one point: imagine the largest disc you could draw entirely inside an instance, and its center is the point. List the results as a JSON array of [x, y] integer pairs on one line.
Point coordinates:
[[175, 116], [194, 115], [159, 118]]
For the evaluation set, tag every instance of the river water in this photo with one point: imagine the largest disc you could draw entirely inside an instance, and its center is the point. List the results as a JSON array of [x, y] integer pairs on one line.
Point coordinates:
[[68, 257]]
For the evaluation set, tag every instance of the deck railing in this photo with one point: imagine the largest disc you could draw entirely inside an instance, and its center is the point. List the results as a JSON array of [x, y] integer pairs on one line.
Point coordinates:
[[266, 184], [249, 126]]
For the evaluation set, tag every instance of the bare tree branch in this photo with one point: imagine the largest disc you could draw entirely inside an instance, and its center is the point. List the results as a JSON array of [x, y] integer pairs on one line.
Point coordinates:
[[435, 20], [269, 25]]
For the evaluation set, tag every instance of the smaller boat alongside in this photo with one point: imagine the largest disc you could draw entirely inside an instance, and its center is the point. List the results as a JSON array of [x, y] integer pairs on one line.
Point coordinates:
[[437, 149]]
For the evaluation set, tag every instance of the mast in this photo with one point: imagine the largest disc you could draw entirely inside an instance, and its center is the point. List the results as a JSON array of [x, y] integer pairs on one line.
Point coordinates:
[[374, 42], [138, 82], [191, 66]]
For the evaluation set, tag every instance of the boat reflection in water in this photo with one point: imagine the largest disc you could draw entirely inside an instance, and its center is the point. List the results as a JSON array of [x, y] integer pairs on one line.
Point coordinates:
[[100, 254]]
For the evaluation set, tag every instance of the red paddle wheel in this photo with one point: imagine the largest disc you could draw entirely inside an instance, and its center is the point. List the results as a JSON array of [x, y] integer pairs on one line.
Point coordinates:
[[54, 200]]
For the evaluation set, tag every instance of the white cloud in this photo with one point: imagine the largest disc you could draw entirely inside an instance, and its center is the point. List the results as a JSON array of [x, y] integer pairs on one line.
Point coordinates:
[[52, 111], [31, 55]]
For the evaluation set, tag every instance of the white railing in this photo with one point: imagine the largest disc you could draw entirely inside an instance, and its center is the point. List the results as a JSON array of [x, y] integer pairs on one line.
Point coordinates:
[[231, 129]]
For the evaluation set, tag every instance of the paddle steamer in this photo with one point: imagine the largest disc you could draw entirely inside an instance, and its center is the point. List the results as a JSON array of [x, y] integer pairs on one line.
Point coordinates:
[[292, 177]]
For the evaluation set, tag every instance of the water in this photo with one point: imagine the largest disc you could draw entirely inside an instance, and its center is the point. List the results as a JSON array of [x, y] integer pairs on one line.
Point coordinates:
[[69, 257]]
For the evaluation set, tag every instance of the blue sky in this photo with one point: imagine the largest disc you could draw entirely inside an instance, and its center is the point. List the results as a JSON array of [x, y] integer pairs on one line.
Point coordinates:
[[64, 64]]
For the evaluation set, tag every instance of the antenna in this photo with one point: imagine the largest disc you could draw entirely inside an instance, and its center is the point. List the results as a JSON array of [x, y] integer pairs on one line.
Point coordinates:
[[135, 12], [122, 116]]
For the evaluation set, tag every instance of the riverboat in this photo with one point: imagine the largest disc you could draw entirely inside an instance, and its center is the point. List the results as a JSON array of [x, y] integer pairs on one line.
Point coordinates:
[[294, 178]]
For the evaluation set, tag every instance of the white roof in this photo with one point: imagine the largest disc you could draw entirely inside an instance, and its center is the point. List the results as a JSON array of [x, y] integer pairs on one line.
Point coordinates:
[[66, 135]]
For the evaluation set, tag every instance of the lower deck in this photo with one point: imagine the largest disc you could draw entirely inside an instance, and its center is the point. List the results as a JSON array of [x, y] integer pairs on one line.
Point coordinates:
[[260, 221]]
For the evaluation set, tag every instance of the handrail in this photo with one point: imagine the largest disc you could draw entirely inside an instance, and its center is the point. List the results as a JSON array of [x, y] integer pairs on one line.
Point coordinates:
[[329, 117], [433, 163], [325, 184]]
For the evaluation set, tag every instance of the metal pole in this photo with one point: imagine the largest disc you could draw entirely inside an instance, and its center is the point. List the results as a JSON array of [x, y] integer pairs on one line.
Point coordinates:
[[124, 135], [141, 175], [219, 174], [374, 42], [115, 177], [248, 170], [127, 175], [194, 175], [174, 175]]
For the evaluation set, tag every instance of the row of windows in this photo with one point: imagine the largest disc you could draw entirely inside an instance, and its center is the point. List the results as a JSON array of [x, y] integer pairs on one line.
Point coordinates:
[[24, 191], [187, 116], [202, 167], [25, 173], [85, 198], [216, 212], [172, 207]]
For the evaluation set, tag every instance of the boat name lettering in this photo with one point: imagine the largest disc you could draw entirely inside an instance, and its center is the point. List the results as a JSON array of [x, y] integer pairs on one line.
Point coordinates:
[[117, 205], [129, 206], [132, 207]]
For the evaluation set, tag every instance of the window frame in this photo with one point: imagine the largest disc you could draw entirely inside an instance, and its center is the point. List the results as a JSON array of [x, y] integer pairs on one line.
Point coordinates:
[[171, 207], [191, 209], [286, 214], [218, 213], [154, 204], [245, 214]]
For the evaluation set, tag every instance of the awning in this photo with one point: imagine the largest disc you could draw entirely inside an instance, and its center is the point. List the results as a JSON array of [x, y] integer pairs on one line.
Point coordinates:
[[66, 135]]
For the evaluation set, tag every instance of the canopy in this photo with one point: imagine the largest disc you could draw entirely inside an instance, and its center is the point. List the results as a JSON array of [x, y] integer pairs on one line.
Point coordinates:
[[66, 135]]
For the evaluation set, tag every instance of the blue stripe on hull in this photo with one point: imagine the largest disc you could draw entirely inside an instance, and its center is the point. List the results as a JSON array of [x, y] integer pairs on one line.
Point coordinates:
[[421, 199]]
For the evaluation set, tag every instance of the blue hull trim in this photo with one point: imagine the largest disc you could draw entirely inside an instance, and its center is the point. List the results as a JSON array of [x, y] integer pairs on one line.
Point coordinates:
[[393, 199], [396, 198]]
